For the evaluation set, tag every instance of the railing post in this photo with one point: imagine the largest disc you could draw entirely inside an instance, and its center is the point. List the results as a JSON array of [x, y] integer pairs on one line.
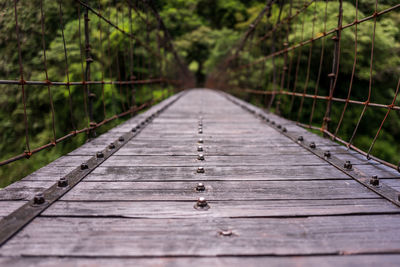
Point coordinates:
[[89, 60], [335, 68]]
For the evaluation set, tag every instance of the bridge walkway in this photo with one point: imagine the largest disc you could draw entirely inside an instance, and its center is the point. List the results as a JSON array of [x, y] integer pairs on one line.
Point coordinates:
[[267, 198]]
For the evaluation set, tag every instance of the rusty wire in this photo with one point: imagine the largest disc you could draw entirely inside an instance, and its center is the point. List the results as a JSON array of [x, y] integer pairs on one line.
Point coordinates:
[[289, 74], [86, 58]]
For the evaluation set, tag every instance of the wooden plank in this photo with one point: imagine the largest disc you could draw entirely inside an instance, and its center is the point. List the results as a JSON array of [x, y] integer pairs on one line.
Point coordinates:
[[299, 261], [228, 209], [24, 190], [244, 173], [182, 161], [221, 190], [188, 237]]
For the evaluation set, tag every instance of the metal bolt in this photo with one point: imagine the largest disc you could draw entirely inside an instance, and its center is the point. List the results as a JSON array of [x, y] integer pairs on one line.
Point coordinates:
[[272, 122], [200, 170], [348, 165], [200, 157], [200, 141], [200, 187], [267, 119], [100, 155], [142, 123], [63, 182], [327, 154], [200, 123], [201, 203], [312, 145], [374, 180], [300, 138], [279, 126], [199, 148], [138, 126], [38, 199], [84, 166], [111, 146], [398, 197], [121, 139], [200, 131], [284, 130], [133, 130]]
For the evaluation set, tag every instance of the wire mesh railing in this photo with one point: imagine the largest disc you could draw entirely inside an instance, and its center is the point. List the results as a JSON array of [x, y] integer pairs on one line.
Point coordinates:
[[328, 65], [95, 61]]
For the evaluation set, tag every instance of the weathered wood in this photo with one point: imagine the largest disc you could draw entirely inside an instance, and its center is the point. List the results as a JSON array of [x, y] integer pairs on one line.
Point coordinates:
[[229, 209], [221, 173], [186, 237], [299, 261], [221, 190], [276, 197], [182, 161]]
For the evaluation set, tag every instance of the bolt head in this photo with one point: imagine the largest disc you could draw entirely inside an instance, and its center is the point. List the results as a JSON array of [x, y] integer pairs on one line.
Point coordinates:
[[327, 154], [313, 145], [199, 148], [300, 138], [99, 155], [200, 141], [284, 130], [111, 146], [374, 180], [279, 126], [200, 157], [38, 199], [84, 166], [121, 139], [201, 203], [200, 131], [200, 124], [200, 170], [226, 232], [63, 182], [348, 165], [200, 187], [272, 122], [133, 130], [142, 123]]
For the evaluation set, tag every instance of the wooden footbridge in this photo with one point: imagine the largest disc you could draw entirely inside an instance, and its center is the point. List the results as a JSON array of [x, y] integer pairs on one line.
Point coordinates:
[[204, 178], [199, 177]]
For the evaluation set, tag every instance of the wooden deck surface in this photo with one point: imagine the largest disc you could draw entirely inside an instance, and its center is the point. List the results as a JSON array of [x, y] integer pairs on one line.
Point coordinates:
[[271, 201]]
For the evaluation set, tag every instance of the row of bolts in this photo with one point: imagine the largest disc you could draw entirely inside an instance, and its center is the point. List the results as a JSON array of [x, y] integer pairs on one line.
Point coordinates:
[[201, 201]]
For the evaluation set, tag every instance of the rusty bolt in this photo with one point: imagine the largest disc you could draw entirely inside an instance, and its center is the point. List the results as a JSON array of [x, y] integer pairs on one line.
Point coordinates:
[[200, 157], [84, 166], [313, 145], [38, 199], [100, 155], [199, 148], [279, 126], [200, 123], [300, 138], [284, 130], [374, 180], [200, 131], [201, 203], [138, 126], [200, 187], [63, 182], [142, 123], [121, 139], [133, 130], [348, 165], [200, 170], [111, 146], [200, 141], [272, 122], [327, 154]]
